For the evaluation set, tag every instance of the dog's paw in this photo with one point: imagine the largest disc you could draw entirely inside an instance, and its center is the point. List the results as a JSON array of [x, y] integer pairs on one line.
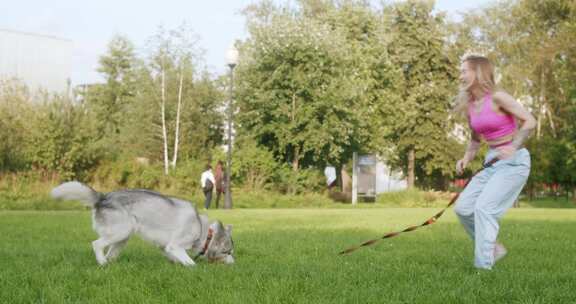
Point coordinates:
[[189, 263], [102, 263]]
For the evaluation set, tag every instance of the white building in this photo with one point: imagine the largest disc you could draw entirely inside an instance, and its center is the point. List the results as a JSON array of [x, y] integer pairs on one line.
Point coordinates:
[[40, 61], [388, 180]]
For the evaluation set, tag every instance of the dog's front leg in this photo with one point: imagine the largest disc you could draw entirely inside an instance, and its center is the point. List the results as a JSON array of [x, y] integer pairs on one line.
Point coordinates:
[[179, 255], [114, 250], [99, 245]]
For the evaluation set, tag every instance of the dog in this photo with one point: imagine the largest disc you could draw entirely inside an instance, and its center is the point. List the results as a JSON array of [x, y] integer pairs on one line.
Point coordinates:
[[171, 223]]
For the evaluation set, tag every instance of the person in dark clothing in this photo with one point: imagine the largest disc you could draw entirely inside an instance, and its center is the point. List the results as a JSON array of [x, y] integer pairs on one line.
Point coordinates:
[[219, 178]]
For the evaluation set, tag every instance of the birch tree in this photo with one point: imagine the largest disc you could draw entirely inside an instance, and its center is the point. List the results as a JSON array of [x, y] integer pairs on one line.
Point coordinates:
[[172, 63], [161, 64], [186, 53]]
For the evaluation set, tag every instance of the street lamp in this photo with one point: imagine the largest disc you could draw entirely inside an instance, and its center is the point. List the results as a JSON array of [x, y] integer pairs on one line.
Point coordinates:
[[232, 61]]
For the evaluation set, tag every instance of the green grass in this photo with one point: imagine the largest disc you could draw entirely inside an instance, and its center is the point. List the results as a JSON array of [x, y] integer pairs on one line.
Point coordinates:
[[290, 256], [549, 202]]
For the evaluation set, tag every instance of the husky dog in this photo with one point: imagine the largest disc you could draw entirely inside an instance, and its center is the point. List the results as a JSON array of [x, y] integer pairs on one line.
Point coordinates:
[[171, 223]]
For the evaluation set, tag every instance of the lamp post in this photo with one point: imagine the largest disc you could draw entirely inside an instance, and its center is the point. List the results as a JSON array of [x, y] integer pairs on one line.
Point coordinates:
[[231, 61]]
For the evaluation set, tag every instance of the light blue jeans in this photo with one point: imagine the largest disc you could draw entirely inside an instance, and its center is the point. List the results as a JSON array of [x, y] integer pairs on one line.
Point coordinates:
[[487, 197]]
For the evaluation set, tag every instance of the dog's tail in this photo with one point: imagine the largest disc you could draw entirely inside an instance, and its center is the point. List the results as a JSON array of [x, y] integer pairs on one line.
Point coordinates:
[[75, 191]]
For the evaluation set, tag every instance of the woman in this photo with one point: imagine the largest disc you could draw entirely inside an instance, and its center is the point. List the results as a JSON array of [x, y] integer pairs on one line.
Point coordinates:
[[494, 116], [219, 177]]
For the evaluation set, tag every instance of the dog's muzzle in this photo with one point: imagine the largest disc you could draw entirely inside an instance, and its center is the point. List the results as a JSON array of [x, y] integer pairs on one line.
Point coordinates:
[[229, 259]]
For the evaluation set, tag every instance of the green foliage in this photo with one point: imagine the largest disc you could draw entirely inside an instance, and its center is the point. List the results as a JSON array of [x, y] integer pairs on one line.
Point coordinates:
[[422, 123], [47, 133], [130, 173], [14, 118], [111, 100], [61, 139], [284, 89], [128, 105], [267, 199], [301, 181], [317, 81], [253, 167], [552, 165], [309, 89], [29, 191]]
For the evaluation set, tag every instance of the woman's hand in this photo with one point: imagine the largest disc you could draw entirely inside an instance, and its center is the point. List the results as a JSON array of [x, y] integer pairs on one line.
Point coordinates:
[[461, 165]]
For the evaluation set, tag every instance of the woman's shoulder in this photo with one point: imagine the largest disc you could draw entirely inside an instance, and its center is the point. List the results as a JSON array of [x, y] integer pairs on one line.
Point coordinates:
[[500, 95]]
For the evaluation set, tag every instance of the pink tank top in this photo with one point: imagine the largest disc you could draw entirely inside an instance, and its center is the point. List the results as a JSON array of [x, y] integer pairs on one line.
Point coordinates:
[[490, 124]]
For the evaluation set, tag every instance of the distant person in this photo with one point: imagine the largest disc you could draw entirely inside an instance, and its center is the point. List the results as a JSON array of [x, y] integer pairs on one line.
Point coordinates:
[[219, 177], [496, 117], [207, 182]]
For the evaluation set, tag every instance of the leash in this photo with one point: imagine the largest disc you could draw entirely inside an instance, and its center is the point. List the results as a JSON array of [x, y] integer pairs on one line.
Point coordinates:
[[205, 247], [430, 221]]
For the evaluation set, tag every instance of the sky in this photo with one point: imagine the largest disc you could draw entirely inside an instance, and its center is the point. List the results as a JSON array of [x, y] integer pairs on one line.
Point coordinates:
[[91, 24]]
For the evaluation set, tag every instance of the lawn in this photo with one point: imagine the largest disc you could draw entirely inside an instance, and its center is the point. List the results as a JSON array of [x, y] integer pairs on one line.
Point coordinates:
[[290, 256]]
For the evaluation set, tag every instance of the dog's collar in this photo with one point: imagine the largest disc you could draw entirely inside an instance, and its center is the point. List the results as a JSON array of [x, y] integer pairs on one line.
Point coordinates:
[[206, 243]]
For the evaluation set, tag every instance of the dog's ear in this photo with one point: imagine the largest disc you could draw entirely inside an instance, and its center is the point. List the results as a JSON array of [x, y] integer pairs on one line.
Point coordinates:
[[217, 226], [229, 228]]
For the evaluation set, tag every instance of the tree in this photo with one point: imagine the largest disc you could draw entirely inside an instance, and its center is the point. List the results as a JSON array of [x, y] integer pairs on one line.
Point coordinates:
[[421, 125], [15, 108], [61, 139], [111, 99], [367, 35], [172, 66], [295, 92], [315, 81]]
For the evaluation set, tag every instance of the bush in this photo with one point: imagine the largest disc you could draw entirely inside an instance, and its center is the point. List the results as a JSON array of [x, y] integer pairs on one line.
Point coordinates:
[[132, 174], [414, 198], [267, 199], [30, 191], [253, 167], [297, 182]]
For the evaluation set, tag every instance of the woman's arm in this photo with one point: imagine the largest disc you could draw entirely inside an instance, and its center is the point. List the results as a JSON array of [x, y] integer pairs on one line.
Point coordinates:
[[470, 153], [510, 105], [473, 147]]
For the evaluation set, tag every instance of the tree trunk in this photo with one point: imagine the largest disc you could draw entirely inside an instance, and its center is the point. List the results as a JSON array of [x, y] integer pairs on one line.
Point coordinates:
[[541, 107], [163, 113], [177, 131], [339, 183], [295, 166], [296, 160], [411, 168], [552, 125], [293, 114], [346, 180], [543, 100]]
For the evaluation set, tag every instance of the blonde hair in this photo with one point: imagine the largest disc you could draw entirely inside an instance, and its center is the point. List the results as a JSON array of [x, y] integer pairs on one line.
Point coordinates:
[[484, 80]]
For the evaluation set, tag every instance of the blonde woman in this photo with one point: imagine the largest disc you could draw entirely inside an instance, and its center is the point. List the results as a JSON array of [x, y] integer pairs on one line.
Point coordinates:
[[504, 124]]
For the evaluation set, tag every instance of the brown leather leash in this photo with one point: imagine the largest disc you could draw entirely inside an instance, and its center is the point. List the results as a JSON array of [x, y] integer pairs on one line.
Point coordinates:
[[431, 220]]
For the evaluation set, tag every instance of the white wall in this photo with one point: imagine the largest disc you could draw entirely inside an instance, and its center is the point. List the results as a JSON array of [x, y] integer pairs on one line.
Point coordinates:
[[41, 62], [387, 181]]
